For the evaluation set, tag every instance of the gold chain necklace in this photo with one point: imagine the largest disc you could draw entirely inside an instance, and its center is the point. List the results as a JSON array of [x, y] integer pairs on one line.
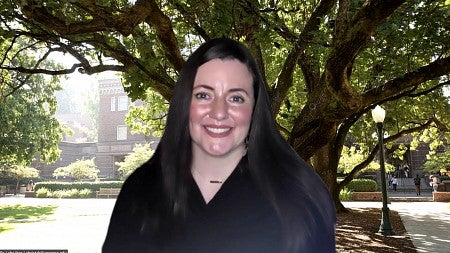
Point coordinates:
[[210, 181]]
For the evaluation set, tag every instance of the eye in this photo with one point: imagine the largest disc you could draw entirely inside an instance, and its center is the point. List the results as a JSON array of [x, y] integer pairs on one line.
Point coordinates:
[[237, 99], [201, 95]]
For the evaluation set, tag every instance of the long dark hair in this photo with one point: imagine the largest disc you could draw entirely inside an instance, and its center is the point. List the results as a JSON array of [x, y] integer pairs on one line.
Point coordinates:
[[295, 191]]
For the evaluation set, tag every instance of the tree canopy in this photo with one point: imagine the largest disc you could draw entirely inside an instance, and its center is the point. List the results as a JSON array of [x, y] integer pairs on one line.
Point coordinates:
[[326, 63], [27, 107], [140, 155], [79, 170]]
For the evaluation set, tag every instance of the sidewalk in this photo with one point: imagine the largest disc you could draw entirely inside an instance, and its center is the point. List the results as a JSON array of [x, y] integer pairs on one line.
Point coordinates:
[[80, 225], [427, 223]]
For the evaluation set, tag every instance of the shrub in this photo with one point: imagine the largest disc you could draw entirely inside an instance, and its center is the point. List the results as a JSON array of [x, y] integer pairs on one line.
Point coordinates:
[[79, 170], [43, 193], [362, 185], [445, 177], [93, 186], [139, 156], [63, 194], [85, 193], [345, 194]]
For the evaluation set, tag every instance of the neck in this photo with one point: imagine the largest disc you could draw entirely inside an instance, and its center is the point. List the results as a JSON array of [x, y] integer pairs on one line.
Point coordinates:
[[215, 168]]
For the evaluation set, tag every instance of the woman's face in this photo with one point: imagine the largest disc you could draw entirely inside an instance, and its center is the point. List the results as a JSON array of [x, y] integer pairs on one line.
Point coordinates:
[[221, 107]]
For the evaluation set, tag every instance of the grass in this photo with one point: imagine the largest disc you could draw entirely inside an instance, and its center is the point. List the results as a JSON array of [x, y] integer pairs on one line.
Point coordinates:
[[13, 214]]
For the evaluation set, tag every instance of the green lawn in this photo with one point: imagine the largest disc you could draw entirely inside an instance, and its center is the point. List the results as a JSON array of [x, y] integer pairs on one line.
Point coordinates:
[[13, 214]]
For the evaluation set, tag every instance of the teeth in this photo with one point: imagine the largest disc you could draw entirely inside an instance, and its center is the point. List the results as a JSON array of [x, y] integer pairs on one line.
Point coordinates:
[[218, 130]]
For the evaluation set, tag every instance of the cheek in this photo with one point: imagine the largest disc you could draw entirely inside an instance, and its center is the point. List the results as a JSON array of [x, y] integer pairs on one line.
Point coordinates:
[[242, 116], [196, 113]]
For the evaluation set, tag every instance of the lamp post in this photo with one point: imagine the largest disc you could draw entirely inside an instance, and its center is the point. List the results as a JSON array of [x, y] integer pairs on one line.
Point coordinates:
[[385, 227]]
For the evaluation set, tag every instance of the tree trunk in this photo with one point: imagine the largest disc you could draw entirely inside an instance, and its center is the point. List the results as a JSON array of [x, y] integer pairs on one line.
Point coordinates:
[[325, 162], [17, 187]]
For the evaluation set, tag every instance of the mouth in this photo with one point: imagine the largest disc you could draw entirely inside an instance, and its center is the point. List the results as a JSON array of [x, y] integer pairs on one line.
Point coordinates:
[[216, 130]]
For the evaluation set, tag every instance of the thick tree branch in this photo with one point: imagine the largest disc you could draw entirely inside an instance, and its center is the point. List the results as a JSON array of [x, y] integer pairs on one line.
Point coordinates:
[[357, 34], [92, 69], [191, 20], [341, 18], [428, 91], [105, 19], [285, 79], [165, 33], [409, 80], [308, 61]]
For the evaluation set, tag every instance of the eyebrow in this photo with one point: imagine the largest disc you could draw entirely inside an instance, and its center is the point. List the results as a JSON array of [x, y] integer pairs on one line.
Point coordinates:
[[211, 88]]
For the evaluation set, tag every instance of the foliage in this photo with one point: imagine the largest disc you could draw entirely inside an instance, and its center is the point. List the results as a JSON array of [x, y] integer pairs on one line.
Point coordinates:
[[19, 172], [150, 118], [362, 185], [438, 161], [350, 157], [326, 63], [27, 106], [345, 194], [79, 170], [140, 154], [61, 194], [444, 177], [93, 186], [42, 193]]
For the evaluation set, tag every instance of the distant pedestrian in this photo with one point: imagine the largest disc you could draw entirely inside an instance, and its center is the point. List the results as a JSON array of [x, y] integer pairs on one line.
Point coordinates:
[[436, 182], [394, 184], [406, 169], [389, 178], [30, 186], [417, 184]]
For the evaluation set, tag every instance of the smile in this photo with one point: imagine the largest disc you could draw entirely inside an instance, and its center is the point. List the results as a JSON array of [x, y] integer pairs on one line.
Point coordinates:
[[218, 130]]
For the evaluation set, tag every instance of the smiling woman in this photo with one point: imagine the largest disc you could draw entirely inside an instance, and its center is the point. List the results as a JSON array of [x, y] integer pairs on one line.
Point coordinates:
[[222, 178]]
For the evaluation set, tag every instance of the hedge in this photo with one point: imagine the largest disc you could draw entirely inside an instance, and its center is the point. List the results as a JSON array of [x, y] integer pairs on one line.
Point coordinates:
[[72, 193], [362, 185], [93, 186]]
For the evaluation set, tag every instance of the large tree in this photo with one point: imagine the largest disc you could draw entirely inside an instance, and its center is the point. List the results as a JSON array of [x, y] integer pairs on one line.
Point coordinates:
[[327, 63], [27, 106]]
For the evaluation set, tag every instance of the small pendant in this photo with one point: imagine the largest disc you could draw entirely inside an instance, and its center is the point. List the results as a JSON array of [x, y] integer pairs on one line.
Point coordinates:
[[215, 181]]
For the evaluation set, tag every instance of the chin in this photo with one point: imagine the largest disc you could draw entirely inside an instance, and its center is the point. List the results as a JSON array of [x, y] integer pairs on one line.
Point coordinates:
[[217, 153]]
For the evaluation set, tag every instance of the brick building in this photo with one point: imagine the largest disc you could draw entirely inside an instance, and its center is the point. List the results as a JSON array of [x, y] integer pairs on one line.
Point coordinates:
[[115, 140]]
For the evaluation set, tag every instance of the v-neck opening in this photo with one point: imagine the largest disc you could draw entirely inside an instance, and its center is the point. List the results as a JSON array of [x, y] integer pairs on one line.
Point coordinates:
[[218, 195]]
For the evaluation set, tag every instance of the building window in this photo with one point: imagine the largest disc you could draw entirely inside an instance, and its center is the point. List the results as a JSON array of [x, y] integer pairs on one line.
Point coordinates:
[[122, 133], [122, 103], [113, 104]]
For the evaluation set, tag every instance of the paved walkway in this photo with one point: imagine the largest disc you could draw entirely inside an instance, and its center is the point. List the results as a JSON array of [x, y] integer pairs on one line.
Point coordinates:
[[80, 225], [428, 223]]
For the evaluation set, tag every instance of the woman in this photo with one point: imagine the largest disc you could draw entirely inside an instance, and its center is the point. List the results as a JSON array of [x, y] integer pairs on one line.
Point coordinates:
[[222, 178]]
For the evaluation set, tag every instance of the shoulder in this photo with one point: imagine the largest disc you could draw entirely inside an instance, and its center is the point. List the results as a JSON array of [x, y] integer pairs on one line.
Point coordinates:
[[138, 183], [140, 195]]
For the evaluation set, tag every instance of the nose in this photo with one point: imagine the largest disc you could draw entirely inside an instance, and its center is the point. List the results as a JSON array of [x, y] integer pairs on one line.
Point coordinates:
[[219, 109]]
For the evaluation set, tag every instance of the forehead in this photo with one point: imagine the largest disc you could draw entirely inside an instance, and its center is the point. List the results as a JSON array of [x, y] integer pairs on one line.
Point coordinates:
[[225, 72]]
